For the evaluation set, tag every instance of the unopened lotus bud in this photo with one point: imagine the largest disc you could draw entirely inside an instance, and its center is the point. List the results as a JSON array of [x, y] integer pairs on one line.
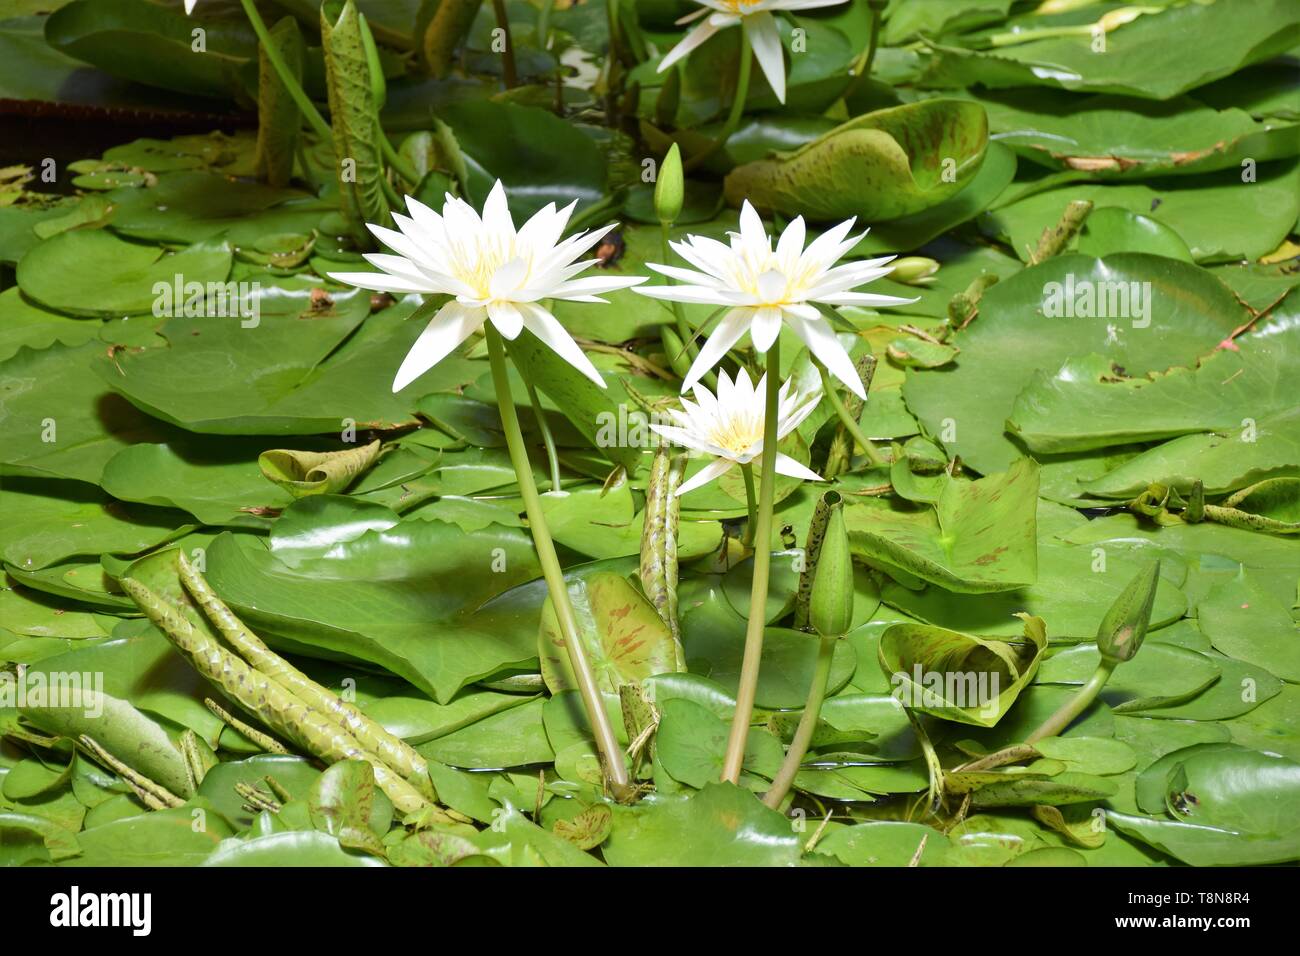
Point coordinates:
[[670, 187], [913, 270], [830, 607], [1125, 624]]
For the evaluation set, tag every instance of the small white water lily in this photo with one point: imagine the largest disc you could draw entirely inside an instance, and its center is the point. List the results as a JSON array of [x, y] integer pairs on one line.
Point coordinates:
[[760, 25], [765, 288], [497, 273], [729, 426]]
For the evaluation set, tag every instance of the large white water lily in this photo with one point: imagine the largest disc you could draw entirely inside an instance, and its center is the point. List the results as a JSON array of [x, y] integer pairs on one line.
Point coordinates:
[[729, 426], [765, 288], [760, 26], [495, 272]]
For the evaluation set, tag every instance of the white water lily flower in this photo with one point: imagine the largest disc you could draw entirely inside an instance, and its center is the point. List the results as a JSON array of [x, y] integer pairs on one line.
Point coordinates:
[[730, 426], [495, 272], [760, 25], [189, 6], [765, 288]]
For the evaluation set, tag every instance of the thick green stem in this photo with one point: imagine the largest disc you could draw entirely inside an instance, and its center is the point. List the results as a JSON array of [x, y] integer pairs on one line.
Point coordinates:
[[606, 743], [848, 421], [803, 734], [510, 72], [552, 456], [737, 102], [751, 503], [762, 565], [300, 97], [1076, 705]]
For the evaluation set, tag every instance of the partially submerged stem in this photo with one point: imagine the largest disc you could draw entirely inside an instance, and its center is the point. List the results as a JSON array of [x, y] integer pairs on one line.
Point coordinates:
[[803, 734], [743, 73], [848, 421], [1076, 705], [1056, 238], [606, 743], [745, 694]]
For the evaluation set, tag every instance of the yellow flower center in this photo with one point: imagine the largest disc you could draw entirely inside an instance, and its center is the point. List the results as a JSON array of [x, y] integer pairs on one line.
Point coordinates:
[[477, 261], [738, 433], [740, 6]]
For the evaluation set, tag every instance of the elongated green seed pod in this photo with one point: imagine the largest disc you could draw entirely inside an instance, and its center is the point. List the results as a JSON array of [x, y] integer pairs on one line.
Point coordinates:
[[268, 700], [396, 753], [659, 540]]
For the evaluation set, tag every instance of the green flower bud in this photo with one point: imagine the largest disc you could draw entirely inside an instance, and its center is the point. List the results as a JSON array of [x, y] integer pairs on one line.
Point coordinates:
[[913, 269], [670, 187], [1125, 624], [830, 607]]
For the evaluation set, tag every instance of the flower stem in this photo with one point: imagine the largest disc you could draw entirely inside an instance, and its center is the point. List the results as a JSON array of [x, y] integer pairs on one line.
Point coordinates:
[[807, 724], [552, 457], [762, 565], [679, 312], [737, 102], [606, 743], [862, 68], [396, 160], [747, 471], [510, 72], [1076, 705], [847, 420], [291, 84]]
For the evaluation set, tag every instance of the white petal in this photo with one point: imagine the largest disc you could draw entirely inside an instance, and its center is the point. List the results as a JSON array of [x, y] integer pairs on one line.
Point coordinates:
[[453, 324], [733, 325], [865, 298], [507, 319], [379, 282], [692, 40], [785, 465], [766, 327], [702, 477], [752, 231], [496, 210], [594, 285], [818, 335], [547, 328], [790, 246], [766, 42]]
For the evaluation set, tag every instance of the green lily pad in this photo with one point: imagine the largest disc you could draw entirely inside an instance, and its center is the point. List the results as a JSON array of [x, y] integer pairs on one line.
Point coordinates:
[[883, 165], [93, 272]]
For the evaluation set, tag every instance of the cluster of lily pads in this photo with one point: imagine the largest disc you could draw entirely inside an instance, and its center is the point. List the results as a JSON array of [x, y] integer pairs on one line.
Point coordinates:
[[502, 441]]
